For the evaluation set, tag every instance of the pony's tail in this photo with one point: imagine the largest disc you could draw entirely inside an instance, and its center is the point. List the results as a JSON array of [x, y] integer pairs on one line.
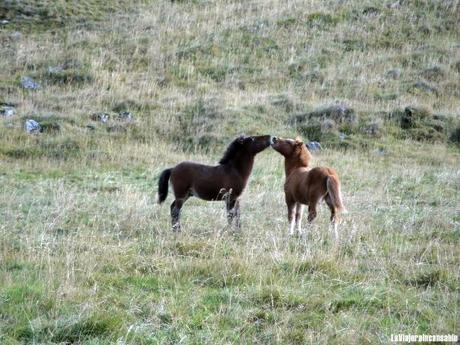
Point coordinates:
[[163, 184], [333, 188]]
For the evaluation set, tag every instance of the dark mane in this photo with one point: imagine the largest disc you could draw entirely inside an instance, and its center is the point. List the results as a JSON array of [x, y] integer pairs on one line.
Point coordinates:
[[231, 152]]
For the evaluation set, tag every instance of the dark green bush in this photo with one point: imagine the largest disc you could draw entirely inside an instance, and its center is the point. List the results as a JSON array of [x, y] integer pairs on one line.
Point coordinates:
[[60, 149], [455, 136], [22, 152], [50, 126], [68, 76]]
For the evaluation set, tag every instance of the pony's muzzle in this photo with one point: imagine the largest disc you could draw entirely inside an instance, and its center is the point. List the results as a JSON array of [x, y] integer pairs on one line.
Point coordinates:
[[273, 140]]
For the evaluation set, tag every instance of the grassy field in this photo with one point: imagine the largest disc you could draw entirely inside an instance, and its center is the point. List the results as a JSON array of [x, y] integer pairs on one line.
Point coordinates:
[[87, 256]]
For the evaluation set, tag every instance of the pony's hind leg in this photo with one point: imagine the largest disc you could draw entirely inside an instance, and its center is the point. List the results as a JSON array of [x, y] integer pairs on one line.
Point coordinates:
[[312, 212], [175, 214], [334, 219], [298, 217]]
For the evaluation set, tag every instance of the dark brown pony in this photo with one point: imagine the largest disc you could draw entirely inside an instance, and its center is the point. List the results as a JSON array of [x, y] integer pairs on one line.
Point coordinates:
[[225, 181], [305, 186]]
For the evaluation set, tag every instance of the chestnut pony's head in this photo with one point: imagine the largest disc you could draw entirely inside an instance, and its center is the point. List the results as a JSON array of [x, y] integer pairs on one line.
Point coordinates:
[[293, 151]]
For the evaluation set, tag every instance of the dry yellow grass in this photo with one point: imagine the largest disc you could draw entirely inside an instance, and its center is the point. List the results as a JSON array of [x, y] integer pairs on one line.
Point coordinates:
[[87, 256]]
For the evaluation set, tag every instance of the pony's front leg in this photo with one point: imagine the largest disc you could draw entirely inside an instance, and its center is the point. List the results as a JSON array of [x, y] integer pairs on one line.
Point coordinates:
[[298, 216], [175, 214], [291, 215], [237, 214], [233, 212]]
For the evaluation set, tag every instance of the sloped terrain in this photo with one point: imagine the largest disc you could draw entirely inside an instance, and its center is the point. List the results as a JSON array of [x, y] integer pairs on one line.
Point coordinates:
[[122, 90]]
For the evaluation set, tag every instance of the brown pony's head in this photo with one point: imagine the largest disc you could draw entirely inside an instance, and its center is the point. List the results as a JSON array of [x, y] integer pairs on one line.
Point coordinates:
[[293, 150], [249, 146]]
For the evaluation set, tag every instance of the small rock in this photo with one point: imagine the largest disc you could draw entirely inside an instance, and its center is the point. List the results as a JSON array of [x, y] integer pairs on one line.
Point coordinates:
[[55, 69], [32, 126], [7, 111], [422, 86], [394, 73], [395, 5], [314, 146], [102, 117], [4, 22], [91, 127], [15, 36], [125, 116], [29, 83]]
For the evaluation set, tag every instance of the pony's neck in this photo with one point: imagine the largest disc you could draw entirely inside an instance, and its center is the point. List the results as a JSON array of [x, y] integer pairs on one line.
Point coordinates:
[[292, 163], [243, 164]]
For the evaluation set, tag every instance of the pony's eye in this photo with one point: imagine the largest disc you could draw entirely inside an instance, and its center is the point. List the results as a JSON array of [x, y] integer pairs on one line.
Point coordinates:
[[252, 139]]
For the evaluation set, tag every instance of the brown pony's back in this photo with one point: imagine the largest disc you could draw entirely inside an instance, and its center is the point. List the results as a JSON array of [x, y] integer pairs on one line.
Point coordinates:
[[305, 186], [206, 182], [308, 185], [225, 181]]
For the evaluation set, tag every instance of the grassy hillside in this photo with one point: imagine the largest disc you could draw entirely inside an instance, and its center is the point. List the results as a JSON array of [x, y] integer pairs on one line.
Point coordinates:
[[87, 256]]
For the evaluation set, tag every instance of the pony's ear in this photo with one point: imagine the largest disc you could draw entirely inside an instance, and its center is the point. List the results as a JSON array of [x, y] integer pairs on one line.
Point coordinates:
[[298, 141], [240, 139]]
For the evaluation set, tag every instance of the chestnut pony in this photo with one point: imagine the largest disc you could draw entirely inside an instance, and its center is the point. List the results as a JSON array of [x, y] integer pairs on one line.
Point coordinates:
[[225, 181], [305, 186]]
